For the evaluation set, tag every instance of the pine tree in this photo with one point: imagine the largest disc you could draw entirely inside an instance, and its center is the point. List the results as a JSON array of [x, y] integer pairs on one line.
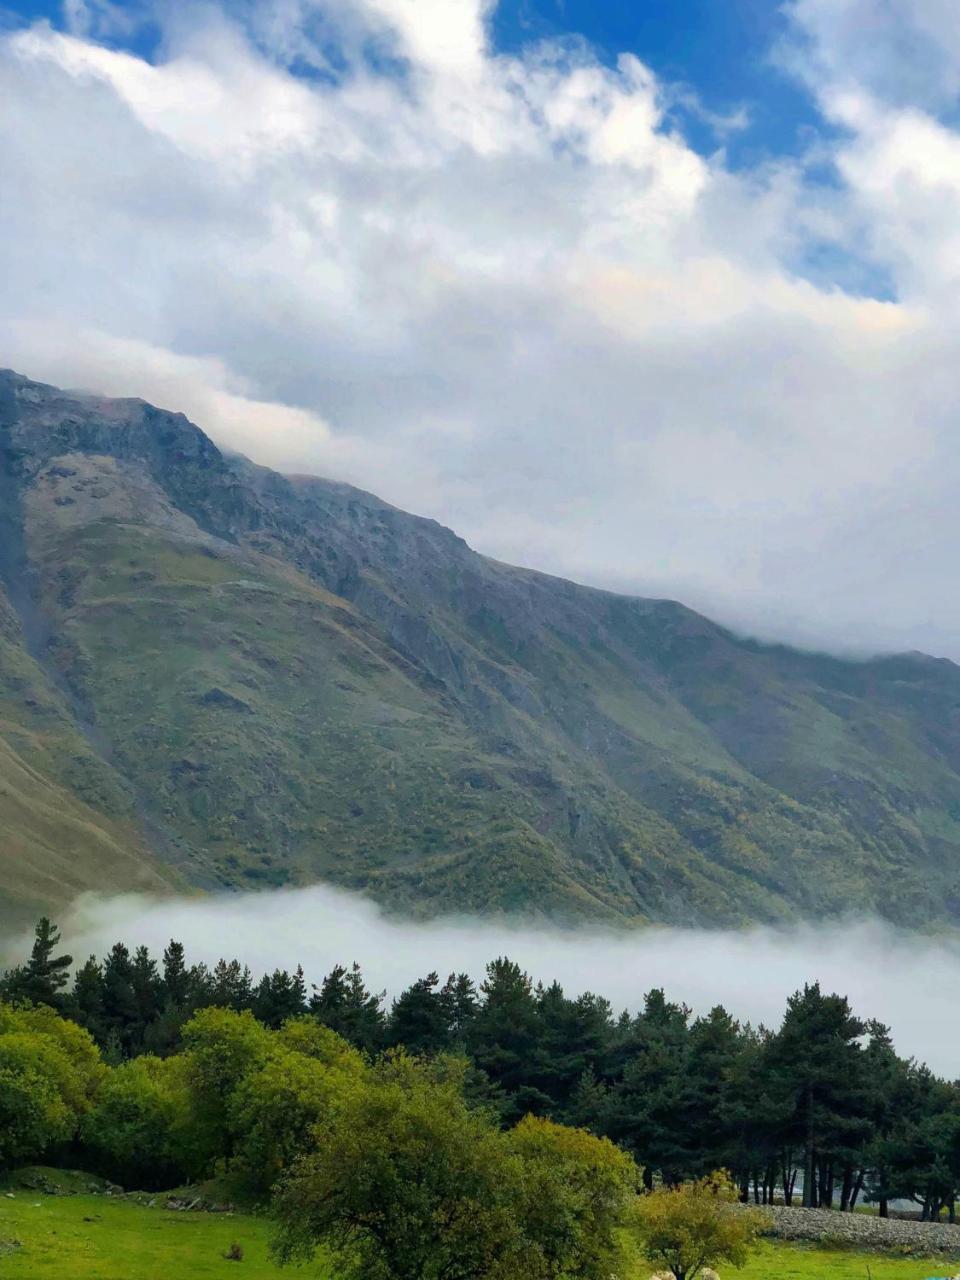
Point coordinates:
[[45, 974], [176, 980], [345, 1005], [505, 1038], [278, 997], [86, 999], [459, 995], [818, 1061], [120, 1012], [420, 1018]]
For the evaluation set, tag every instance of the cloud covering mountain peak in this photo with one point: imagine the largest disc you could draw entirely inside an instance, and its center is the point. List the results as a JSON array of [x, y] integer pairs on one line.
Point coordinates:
[[505, 289]]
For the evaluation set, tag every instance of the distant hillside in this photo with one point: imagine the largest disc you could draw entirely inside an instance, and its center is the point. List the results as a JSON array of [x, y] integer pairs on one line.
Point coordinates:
[[211, 674]]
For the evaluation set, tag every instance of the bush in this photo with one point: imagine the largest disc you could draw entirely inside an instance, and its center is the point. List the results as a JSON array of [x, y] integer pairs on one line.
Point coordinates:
[[276, 1108], [138, 1130], [406, 1180], [696, 1225], [49, 1071], [575, 1195]]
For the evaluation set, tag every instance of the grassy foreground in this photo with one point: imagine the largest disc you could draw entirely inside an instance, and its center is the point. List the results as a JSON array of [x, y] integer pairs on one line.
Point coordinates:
[[92, 1237], [795, 1262]]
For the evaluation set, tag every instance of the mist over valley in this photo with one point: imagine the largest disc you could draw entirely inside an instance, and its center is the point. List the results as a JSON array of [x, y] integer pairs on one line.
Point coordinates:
[[902, 978]]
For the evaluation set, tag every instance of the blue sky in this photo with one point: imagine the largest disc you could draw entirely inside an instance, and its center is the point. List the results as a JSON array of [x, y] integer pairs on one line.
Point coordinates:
[[722, 49]]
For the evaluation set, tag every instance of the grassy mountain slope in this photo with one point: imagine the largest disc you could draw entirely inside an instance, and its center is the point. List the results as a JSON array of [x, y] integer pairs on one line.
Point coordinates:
[[270, 680], [67, 822]]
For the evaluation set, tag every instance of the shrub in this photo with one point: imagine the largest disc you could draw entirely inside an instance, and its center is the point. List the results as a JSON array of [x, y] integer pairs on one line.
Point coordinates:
[[138, 1130], [696, 1225]]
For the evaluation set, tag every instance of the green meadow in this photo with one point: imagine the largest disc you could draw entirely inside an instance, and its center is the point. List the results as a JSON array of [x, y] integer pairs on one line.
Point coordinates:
[[94, 1237]]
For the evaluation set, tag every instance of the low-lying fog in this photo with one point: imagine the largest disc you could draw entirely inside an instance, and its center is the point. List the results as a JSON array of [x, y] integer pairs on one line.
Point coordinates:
[[906, 980]]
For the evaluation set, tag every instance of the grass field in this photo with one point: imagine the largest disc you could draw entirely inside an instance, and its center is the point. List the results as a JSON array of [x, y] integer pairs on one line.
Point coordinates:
[[90, 1237], [794, 1262]]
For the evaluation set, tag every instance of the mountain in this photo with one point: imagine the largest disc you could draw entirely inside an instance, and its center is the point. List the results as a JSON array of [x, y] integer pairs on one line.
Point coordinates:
[[213, 675]]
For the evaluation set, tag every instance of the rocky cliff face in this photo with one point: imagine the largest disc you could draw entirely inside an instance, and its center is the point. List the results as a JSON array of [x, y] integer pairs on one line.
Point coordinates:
[[244, 679]]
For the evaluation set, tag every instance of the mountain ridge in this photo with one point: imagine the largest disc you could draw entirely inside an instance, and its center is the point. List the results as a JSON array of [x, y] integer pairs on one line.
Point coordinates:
[[262, 679]]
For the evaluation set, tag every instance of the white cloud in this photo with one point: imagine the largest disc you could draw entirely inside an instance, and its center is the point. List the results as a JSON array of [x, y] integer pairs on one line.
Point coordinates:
[[503, 291], [884, 972], [905, 51]]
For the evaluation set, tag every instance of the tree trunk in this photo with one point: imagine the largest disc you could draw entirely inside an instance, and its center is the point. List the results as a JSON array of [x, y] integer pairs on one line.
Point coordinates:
[[824, 1171], [857, 1188], [884, 1210], [647, 1178], [846, 1189], [809, 1189]]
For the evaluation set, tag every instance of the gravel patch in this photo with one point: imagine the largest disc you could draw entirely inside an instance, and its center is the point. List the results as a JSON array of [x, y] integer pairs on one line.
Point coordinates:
[[864, 1230]]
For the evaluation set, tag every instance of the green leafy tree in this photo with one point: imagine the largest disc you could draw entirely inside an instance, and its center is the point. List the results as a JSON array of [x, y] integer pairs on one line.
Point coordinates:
[[138, 1131], [695, 1225], [574, 1197], [406, 1182], [276, 1108], [33, 1115], [49, 1072], [221, 1047]]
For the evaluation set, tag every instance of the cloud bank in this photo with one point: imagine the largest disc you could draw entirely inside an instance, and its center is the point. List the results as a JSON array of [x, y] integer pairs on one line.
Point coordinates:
[[904, 980], [350, 237]]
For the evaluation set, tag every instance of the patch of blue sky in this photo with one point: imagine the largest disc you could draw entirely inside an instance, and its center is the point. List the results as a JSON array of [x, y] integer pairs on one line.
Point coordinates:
[[833, 266], [118, 24], [718, 56]]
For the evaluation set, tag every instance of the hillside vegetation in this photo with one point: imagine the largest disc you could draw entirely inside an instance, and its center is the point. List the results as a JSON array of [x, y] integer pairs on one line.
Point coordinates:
[[211, 674]]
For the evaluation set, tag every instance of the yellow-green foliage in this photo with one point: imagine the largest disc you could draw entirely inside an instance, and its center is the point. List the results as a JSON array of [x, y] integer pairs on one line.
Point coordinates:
[[275, 1109], [407, 1180], [575, 1192], [49, 1072], [403, 1181], [238, 1099], [696, 1225], [220, 1048], [139, 1129]]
